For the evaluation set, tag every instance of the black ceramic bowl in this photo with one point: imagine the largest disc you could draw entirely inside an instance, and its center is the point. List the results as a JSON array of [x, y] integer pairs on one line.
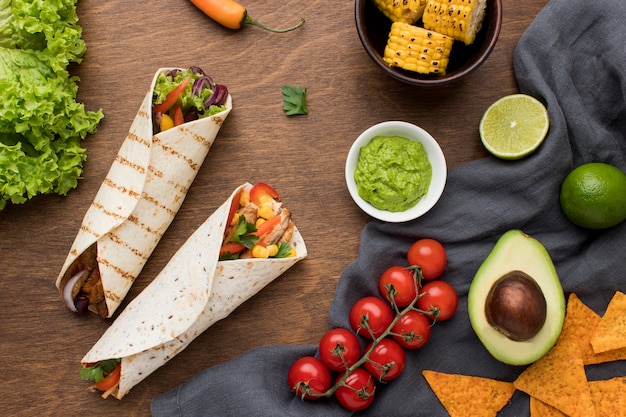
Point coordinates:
[[373, 28]]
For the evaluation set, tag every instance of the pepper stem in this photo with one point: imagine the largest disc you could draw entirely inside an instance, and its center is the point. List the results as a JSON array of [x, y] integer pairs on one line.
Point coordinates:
[[251, 21]]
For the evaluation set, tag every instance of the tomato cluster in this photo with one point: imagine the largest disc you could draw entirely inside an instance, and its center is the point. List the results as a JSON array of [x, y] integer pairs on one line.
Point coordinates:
[[412, 300]]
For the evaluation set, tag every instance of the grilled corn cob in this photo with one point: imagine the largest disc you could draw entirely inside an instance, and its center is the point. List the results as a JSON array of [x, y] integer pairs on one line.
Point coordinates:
[[417, 49], [407, 11], [461, 19]]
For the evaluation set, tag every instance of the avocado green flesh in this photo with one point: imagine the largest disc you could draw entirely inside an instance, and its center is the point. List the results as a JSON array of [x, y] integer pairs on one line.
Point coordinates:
[[517, 251]]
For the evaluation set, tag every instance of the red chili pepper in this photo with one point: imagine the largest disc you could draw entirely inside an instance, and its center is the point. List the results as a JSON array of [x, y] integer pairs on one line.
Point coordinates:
[[233, 15], [171, 98]]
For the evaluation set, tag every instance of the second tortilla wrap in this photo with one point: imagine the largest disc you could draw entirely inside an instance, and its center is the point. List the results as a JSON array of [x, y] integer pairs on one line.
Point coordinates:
[[192, 292], [137, 201]]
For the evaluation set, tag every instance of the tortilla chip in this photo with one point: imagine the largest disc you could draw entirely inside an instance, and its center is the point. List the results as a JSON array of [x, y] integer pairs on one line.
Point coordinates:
[[609, 396], [558, 379], [541, 409], [463, 395], [580, 325], [611, 331]]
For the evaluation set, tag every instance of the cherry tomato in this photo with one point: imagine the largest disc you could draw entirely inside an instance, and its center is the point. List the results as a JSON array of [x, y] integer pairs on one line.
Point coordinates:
[[398, 283], [430, 256], [339, 349], [412, 330], [359, 392], [440, 297], [111, 380], [386, 361], [372, 312], [260, 189], [308, 378]]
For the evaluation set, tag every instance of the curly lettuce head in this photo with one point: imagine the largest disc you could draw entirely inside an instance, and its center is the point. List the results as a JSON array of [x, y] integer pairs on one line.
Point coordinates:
[[43, 25], [41, 124]]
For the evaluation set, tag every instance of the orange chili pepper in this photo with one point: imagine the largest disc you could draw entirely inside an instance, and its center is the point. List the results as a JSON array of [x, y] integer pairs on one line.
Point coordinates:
[[233, 15]]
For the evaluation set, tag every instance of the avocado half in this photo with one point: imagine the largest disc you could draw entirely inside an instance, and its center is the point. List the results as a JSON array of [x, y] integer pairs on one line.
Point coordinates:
[[516, 251]]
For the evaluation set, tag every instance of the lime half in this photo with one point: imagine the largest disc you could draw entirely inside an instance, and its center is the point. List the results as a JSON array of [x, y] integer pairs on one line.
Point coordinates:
[[514, 126]]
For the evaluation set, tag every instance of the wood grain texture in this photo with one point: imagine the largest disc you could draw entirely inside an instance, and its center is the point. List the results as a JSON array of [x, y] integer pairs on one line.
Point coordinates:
[[41, 343]]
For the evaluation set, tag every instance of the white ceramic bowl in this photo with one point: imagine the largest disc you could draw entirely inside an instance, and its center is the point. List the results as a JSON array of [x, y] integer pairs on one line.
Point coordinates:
[[433, 152]]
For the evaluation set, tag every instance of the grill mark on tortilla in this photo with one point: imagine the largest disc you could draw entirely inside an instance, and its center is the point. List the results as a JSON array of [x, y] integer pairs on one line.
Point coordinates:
[[119, 241], [123, 161], [202, 140], [157, 203], [155, 172], [159, 174], [112, 184], [143, 113], [112, 296], [106, 212], [134, 137], [134, 219], [192, 164], [124, 274], [89, 231]]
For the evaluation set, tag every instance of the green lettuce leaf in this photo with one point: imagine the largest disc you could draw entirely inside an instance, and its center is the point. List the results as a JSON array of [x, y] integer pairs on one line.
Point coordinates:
[[41, 124], [50, 26]]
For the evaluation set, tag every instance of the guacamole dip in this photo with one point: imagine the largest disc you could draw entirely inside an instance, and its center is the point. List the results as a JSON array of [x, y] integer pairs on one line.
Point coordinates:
[[393, 173]]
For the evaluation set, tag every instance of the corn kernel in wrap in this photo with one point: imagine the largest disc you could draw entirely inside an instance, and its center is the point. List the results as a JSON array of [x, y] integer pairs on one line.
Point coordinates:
[[192, 292], [138, 200]]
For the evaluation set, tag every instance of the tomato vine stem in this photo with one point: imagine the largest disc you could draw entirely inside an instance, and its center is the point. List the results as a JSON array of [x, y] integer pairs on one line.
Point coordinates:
[[388, 331]]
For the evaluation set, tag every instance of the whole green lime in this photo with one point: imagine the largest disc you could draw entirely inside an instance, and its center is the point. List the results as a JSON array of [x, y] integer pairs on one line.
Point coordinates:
[[593, 195]]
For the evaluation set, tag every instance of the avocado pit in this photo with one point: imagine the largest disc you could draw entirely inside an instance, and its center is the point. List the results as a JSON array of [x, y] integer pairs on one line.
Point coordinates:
[[515, 306]]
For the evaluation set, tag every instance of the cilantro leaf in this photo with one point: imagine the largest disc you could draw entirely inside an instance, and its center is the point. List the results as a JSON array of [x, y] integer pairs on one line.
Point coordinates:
[[228, 256], [294, 100], [243, 233], [98, 371], [283, 250]]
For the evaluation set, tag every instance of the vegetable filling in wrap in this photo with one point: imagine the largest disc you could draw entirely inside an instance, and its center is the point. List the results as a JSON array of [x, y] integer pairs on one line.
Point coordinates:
[[167, 143], [247, 243]]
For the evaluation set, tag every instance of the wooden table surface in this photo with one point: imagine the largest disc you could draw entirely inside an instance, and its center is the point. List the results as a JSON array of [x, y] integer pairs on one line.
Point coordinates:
[[42, 343]]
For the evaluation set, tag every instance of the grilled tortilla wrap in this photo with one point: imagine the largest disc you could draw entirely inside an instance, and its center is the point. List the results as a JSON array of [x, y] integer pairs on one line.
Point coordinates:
[[192, 292], [134, 206]]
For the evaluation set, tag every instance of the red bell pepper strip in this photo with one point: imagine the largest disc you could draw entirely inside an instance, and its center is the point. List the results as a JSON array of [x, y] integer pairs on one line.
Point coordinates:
[[261, 189], [111, 379], [177, 116], [266, 226], [234, 205], [171, 98], [231, 247]]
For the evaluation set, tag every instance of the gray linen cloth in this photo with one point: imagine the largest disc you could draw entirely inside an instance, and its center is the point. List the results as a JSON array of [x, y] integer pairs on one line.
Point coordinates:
[[572, 58]]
